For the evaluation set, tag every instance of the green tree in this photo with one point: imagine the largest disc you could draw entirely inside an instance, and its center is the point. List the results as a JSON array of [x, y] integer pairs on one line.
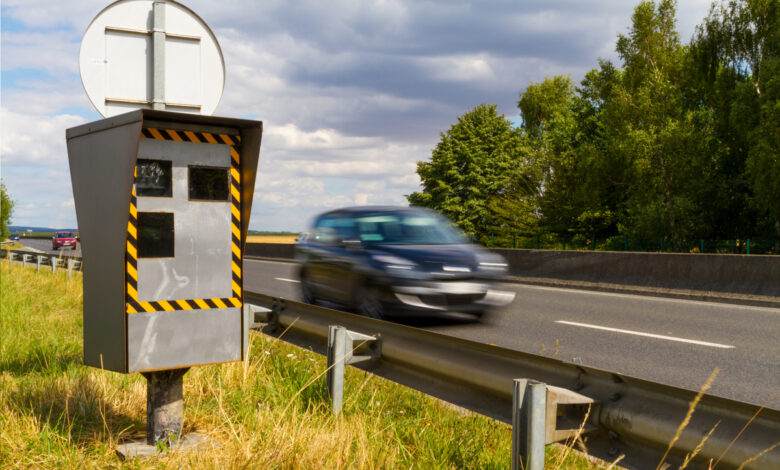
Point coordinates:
[[6, 209], [734, 70], [670, 149], [474, 162]]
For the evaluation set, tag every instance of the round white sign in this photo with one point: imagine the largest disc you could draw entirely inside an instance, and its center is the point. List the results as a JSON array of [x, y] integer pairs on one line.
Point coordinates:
[[155, 54]]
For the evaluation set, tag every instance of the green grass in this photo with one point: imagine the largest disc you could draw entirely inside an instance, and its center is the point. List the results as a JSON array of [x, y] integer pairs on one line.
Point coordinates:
[[269, 411]]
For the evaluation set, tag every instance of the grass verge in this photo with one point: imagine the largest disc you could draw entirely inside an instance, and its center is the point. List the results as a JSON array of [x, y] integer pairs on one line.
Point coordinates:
[[57, 413]]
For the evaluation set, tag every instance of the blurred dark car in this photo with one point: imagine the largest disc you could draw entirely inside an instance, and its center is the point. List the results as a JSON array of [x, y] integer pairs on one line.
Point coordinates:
[[63, 239], [385, 261]]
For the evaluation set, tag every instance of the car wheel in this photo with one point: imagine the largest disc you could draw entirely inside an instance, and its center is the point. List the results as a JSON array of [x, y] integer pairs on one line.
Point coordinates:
[[367, 303], [307, 293]]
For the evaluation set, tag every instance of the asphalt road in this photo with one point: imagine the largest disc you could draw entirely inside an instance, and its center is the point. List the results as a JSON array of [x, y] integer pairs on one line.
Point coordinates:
[[671, 341], [45, 246]]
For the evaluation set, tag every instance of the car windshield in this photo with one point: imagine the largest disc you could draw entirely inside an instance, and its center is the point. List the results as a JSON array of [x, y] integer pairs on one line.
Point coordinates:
[[65, 235], [407, 228]]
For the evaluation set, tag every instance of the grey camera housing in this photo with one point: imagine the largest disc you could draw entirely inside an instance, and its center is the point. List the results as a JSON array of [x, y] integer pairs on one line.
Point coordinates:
[[166, 293]]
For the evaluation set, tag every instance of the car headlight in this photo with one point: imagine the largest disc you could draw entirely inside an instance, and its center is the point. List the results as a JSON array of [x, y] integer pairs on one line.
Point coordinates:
[[394, 262]]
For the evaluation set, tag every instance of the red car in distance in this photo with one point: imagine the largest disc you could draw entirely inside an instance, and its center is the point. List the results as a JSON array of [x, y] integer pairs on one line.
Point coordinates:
[[63, 239]]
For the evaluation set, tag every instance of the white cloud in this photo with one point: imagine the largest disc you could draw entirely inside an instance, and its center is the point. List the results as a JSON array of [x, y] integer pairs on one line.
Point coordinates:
[[34, 139], [54, 51], [460, 68], [290, 137]]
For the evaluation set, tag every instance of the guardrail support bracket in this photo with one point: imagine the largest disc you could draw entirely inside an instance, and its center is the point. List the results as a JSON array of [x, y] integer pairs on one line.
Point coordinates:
[[567, 414], [341, 348], [259, 315]]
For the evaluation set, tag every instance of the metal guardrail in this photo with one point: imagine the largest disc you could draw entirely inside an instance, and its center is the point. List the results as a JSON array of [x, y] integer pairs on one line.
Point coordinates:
[[631, 419], [69, 262]]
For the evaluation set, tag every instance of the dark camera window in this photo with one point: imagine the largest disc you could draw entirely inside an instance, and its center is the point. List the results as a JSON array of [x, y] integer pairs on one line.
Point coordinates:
[[155, 235], [154, 178], [208, 183]]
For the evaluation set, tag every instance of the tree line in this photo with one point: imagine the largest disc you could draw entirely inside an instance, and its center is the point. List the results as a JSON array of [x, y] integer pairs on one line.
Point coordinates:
[[676, 144]]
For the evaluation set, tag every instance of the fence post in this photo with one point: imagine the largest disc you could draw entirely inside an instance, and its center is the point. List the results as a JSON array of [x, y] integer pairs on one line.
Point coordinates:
[[24, 260], [70, 267], [748, 246], [529, 405], [53, 260], [39, 260]]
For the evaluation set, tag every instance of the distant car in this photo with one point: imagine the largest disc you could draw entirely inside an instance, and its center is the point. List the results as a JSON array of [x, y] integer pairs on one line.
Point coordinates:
[[64, 239], [15, 237], [386, 261]]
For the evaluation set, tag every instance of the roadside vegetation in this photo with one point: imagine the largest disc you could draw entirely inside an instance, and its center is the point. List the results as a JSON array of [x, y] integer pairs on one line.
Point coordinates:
[[268, 412], [6, 210], [672, 147]]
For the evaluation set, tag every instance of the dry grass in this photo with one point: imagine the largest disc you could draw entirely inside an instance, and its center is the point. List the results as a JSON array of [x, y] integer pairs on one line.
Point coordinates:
[[271, 238], [56, 413]]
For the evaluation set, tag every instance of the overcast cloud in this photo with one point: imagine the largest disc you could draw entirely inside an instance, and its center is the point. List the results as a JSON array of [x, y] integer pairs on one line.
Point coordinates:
[[351, 94]]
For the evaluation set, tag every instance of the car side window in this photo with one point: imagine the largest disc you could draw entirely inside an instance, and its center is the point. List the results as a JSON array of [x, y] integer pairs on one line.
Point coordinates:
[[334, 228]]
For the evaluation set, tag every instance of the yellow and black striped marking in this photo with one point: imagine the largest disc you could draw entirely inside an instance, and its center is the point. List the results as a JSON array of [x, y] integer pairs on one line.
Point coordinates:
[[134, 305]]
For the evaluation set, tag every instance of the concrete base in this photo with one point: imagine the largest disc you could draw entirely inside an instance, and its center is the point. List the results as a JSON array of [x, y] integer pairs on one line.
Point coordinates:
[[140, 449]]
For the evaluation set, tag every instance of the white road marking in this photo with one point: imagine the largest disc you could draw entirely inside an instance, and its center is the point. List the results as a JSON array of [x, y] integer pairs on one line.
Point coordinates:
[[652, 298], [287, 280], [648, 335]]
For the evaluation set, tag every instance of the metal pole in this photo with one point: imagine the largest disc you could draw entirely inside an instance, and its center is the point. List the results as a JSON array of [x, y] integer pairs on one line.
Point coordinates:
[[529, 404], [748, 246], [24, 260], [164, 406], [337, 349], [53, 260], [38, 263], [158, 56], [70, 267]]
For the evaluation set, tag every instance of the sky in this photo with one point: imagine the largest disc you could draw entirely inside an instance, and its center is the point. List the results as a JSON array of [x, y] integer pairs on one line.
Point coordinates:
[[351, 94]]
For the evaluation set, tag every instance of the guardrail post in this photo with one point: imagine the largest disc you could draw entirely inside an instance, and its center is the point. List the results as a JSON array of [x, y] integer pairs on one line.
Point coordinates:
[[53, 260], [70, 267], [341, 353], [39, 260], [529, 405], [24, 260], [337, 342]]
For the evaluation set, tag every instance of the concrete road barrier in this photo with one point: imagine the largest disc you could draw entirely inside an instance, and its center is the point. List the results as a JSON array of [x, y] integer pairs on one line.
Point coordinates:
[[757, 275], [738, 274]]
